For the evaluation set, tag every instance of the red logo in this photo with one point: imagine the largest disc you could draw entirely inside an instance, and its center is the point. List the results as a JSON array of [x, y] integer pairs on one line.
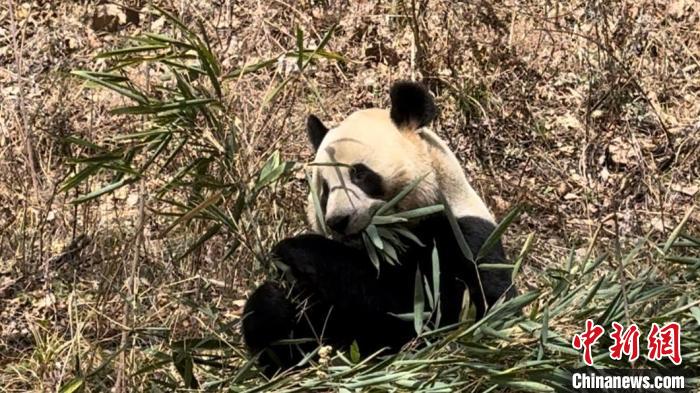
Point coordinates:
[[625, 342], [665, 342], [586, 339], [662, 342]]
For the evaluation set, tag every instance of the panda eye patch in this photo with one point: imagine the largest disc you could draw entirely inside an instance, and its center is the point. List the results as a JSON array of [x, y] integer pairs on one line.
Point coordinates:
[[369, 181], [324, 196]]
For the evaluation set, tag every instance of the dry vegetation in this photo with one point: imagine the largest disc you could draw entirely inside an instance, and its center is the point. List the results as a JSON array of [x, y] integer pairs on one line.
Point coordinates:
[[587, 113]]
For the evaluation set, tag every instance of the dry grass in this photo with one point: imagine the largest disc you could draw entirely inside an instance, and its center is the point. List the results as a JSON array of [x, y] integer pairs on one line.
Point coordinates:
[[586, 113]]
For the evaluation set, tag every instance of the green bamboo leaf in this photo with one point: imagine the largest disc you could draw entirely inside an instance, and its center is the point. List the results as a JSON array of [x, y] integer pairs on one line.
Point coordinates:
[[213, 230], [591, 293], [435, 259], [420, 212], [695, 312], [328, 55], [418, 303], [251, 68], [495, 236], [273, 169], [692, 261], [402, 194], [543, 333], [129, 50], [495, 266], [109, 84], [428, 293], [176, 106], [271, 96], [594, 264], [355, 352], [386, 220], [106, 76], [79, 177], [677, 231], [300, 46], [104, 190], [373, 234], [143, 134], [170, 40], [313, 190], [464, 248], [371, 252], [523, 254], [182, 172], [407, 234], [72, 386], [321, 46], [183, 66], [193, 212], [527, 386], [81, 142], [390, 252], [184, 365], [98, 159], [694, 241]]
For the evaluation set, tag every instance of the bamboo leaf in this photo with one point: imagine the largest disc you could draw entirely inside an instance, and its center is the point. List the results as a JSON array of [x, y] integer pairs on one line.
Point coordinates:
[[677, 231], [109, 84], [371, 231], [185, 367], [129, 50], [495, 236], [313, 189], [523, 254], [495, 266], [72, 386], [104, 190], [187, 216], [79, 177], [213, 230], [355, 352], [435, 259], [176, 106], [300, 47], [418, 303], [402, 194], [371, 252]]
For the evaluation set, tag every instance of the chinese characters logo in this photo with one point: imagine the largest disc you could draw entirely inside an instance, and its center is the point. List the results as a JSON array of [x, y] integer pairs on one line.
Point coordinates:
[[662, 342]]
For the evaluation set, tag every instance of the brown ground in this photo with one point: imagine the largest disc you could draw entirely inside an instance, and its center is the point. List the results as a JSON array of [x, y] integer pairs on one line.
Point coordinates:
[[582, 112]]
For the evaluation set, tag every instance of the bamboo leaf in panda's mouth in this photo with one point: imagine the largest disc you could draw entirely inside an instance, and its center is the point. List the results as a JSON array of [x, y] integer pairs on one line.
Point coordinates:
[[400, 196]]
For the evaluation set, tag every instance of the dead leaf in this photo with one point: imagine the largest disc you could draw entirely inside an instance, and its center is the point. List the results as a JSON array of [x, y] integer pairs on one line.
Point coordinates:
[[677, 8], [109, 17], [689, 190], [621, 152]]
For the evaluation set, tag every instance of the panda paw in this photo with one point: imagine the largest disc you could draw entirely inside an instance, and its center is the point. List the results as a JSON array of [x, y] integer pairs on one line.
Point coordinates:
[[299, 255]]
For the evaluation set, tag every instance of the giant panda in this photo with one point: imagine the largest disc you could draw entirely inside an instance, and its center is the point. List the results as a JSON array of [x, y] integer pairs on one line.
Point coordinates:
[[336, 295]]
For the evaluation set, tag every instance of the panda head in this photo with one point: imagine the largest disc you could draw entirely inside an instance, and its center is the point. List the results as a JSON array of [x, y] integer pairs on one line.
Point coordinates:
[[371, 156]]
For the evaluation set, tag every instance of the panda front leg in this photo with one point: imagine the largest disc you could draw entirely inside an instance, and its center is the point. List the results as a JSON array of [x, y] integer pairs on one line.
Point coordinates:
[[337, 299], [268, 317], [341, 276], [347, 299]]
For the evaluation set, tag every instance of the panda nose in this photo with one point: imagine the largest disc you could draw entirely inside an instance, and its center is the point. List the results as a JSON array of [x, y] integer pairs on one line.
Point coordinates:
[[338, 223]]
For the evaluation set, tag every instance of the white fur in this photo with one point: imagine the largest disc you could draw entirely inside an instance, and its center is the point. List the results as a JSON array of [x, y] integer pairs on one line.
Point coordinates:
[[399, 156]]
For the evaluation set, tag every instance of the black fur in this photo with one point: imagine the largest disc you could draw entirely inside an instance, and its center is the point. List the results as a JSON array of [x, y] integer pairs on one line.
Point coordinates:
[[411, 105], [339, 298], [316, 131], [368, 180]]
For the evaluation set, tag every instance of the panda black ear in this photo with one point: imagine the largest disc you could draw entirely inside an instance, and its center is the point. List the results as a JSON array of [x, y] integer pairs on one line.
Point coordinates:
[[316, 131], [411, 105]]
